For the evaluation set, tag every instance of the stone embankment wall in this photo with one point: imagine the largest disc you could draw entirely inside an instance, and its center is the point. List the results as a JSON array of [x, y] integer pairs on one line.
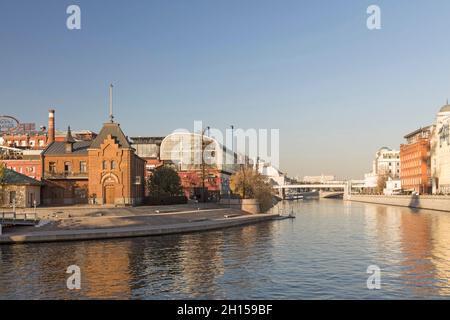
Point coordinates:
[[441, 203], [247, 205]]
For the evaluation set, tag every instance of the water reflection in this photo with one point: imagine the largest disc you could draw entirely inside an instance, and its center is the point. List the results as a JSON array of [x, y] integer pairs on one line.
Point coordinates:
[[323, 253]]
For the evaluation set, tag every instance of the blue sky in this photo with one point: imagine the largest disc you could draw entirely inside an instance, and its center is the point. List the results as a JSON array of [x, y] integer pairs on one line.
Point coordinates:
[[336, 90]]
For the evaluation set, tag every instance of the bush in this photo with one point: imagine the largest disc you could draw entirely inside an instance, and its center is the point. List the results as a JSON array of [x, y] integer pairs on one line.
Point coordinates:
[[165, 182], [249, 184]]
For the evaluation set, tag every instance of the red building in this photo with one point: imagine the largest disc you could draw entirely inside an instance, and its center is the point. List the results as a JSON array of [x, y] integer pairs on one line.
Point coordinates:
[[415, 161], [25, 136], [29, 165]]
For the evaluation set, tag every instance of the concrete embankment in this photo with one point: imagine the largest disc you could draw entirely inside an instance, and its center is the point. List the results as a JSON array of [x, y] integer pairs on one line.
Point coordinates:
[[135, 230], [440, 203]]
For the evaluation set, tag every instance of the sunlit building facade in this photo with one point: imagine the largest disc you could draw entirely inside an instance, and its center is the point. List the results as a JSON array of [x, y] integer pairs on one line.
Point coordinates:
[[440, 152]]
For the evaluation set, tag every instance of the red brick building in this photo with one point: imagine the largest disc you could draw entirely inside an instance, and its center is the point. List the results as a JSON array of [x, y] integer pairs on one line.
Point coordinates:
[[28, 163], [103, 171], [415, 161], [25, 136]]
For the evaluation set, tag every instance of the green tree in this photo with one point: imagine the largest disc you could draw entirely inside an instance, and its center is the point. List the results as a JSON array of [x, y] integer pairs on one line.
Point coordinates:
[[165, 182], [249, 184]]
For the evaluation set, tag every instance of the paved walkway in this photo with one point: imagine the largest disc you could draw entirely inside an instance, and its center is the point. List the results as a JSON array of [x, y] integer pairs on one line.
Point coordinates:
[[100, 223]]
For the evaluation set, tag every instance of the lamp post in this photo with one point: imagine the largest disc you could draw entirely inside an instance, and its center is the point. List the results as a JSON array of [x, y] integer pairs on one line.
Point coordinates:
[[203, 164], [232, 141]]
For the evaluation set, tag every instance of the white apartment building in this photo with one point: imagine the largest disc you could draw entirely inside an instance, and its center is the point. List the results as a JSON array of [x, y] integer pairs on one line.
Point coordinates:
[[440, 152], [386, 163]]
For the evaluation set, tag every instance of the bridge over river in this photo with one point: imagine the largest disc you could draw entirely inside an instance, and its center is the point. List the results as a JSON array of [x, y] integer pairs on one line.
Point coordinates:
[[329, 189]]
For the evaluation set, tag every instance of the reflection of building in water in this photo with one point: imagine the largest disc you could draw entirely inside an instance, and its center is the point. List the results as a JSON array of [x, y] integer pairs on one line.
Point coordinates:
[[105, 270], [418, 269], [203, 252], [383, 229], [440, 252]]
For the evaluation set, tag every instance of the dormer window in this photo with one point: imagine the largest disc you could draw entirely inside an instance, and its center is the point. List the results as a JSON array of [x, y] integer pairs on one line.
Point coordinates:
[[104, 165]]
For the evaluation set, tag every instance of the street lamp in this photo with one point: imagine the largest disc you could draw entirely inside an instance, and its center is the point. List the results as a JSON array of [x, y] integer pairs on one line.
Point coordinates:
[[203, 164]]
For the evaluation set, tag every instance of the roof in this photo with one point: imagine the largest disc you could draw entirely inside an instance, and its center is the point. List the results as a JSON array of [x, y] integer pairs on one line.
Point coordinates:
[[424, 129], [445, 108], [13, 177], [113, 129], [59, 147]]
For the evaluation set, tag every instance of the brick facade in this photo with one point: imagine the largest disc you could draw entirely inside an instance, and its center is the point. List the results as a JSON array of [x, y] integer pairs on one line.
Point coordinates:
[[103, 171], [415, 162], [116, 175]]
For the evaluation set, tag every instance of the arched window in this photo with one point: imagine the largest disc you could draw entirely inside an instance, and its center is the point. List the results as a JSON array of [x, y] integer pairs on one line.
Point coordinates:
[[67, 167], [113, 165], [104, 165]]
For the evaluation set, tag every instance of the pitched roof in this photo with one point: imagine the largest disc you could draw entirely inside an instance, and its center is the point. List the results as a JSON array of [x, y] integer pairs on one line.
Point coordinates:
[[13, 177], [113, 129], [59, 147]]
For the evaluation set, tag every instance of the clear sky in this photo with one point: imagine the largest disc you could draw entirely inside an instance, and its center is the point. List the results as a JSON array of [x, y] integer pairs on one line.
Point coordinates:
[[336, 90]]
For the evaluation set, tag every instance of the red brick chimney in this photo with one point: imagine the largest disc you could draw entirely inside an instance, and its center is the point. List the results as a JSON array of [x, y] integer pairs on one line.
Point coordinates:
[[51, 126]]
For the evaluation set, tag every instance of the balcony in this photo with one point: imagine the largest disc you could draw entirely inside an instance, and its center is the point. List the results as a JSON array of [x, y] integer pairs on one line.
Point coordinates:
[[65, 175]]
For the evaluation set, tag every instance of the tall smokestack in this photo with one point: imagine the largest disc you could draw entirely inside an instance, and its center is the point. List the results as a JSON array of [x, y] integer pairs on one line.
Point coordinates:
[[51, 126]]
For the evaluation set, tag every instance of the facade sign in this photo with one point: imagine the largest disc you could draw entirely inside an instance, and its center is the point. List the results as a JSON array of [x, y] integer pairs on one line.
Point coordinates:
[[8, 123]]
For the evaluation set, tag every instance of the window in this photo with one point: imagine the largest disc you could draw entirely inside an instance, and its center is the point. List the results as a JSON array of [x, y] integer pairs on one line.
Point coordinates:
[[52, 167], [12, 197], [67, 167], [113, 164], [104, 165], [83, 167], [138, 180]]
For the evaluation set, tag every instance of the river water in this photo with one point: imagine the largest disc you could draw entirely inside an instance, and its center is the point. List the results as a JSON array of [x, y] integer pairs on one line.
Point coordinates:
[[322, 254]]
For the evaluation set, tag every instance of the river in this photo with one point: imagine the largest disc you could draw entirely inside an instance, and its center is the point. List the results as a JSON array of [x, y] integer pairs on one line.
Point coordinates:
[[322, 254]]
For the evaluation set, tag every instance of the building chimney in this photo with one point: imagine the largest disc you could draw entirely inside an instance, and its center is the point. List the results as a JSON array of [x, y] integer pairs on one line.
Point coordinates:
[[51, 126]]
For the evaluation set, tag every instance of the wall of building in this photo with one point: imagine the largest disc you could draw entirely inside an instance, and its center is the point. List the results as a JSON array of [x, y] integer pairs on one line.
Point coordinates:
[[121, 180], [415, 166], [24, 195], [38, 141], [440, 154], [65, 192], [30, 168]]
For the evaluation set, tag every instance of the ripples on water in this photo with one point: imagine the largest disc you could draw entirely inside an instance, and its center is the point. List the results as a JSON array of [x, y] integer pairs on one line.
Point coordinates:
[[324, 253]]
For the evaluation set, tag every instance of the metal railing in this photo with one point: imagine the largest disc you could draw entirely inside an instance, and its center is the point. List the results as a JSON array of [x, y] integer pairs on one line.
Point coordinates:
[[13, 217], [64, 175]]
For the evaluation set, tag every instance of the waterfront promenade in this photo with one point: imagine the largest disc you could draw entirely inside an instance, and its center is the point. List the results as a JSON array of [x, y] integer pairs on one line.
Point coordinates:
[[88, 223]]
